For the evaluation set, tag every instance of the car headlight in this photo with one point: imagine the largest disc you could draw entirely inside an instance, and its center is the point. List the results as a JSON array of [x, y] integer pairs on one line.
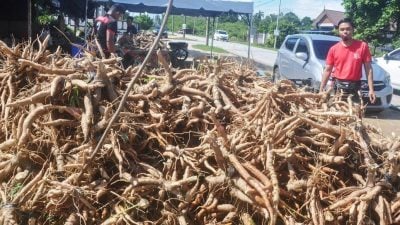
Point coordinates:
[[387, 80]]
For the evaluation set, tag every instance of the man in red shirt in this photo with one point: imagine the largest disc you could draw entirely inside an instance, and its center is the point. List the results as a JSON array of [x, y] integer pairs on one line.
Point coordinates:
[[347, 57]]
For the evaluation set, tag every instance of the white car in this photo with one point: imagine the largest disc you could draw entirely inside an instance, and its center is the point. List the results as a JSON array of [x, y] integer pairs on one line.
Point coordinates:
[[221, 35], [391, 63], [301, 58]]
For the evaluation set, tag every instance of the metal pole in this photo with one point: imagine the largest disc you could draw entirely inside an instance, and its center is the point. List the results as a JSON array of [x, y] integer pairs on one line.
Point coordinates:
[[212, 38], [249, 35], [86, 19], [76, 23], [184, 30], [207, 30], [277, 25], [30, 19], [194, 25], [172, 24]]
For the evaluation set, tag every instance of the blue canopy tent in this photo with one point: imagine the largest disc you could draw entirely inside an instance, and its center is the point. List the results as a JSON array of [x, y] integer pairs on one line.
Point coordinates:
[[210, 8], [206, 8]]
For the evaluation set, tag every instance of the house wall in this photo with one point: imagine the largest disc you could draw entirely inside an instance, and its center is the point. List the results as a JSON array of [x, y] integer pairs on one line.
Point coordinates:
[[325, 19], [325, 24]]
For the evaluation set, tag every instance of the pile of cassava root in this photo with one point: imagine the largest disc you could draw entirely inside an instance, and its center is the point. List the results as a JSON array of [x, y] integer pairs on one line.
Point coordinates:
[[211, 145], [143, 40]]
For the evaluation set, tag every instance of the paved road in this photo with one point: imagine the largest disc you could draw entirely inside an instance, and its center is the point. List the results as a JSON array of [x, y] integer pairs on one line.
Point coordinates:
[[263, 58], [387, 121]]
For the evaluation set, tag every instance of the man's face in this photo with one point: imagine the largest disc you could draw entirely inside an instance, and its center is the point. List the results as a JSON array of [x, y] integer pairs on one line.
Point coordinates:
[[346, 31], [117, 15]]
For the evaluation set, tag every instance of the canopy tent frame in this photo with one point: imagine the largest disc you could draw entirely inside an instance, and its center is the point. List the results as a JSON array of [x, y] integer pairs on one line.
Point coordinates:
[[204, 8]]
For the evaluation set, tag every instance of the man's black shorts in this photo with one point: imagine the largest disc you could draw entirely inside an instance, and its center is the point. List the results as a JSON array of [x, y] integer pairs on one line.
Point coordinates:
[[348, 87]]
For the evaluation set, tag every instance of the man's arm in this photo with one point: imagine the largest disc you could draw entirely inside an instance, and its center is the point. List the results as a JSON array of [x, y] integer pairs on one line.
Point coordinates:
[[325, 76], [370, 77], [110, 41]]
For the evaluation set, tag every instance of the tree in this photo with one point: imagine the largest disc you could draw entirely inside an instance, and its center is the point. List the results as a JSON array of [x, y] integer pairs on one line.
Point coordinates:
[[228, 17], [292, 18], [257, 18], [265, 24], [288, 24], [306, 23], [144, 22], [45, 13], [76, 8], [396, 42], [192, 23], [373, 18]]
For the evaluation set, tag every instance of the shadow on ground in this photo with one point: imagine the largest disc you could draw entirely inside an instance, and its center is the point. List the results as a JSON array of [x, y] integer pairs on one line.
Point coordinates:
[[389, 114]]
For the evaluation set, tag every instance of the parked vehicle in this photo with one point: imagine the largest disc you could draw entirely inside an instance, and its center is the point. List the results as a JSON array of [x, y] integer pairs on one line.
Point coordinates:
[[301, 58], [187, 31], [221, 35], [164, 33], [391, 63], [178, 52]]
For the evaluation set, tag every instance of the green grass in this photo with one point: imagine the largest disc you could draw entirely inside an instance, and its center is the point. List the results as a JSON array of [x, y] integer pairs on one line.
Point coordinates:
[[177, 36], [208, 48], [263, 46], [16, 189], [245, 43]]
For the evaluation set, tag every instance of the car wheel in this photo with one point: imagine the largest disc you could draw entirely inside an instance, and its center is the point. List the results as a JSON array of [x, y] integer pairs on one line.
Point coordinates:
[[275, 75], [180, 54]]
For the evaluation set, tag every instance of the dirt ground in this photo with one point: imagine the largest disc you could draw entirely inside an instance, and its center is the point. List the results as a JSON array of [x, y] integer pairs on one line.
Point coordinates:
[[388, 121]]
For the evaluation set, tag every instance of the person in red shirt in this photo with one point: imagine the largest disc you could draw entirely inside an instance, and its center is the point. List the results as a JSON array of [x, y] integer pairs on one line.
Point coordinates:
[[347, 58], [107, 28]]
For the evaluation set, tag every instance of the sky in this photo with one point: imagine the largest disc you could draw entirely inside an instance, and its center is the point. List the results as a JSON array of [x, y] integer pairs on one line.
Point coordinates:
[[302, 8]]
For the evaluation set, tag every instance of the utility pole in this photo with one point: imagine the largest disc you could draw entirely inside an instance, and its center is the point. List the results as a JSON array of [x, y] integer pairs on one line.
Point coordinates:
[[276, 31]]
